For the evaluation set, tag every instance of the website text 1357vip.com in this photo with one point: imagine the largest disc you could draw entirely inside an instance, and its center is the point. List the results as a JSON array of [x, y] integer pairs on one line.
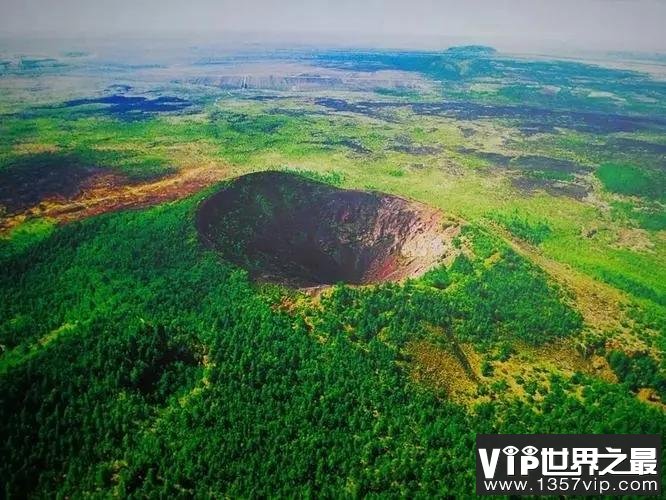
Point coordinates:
[[560, 464], [592, 487]]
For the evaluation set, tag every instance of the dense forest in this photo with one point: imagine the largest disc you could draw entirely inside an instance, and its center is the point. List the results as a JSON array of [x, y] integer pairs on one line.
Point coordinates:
[[138, 363]]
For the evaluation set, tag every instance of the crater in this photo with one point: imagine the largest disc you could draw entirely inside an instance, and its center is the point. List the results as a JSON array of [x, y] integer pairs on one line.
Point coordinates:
[[298, 232]]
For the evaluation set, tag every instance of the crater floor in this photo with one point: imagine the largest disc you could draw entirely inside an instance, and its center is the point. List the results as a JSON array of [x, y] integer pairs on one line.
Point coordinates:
[[288, 229]]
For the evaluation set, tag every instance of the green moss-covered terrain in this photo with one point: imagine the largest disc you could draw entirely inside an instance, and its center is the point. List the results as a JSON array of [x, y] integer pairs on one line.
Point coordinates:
[[140, 355]]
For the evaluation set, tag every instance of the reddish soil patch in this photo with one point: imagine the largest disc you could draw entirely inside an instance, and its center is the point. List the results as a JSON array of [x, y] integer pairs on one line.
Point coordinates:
[[34, 178], [105, 192], [291, 230]]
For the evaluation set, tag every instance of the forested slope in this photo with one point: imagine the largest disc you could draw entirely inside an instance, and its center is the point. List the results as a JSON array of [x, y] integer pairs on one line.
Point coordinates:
[[139, 363]]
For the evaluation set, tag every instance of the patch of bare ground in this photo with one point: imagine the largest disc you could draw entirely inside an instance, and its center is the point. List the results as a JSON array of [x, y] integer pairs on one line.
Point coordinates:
[[560, 356], [106, 192], [31, 178], [650, 396], [453, 371], [454, 368], [634, 239]]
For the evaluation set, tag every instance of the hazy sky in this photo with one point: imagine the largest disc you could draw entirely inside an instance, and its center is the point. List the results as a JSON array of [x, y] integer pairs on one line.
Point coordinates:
[[506, 24]]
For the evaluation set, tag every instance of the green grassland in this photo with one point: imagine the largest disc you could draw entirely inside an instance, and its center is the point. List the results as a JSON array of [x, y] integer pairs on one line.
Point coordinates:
[[134, 361]]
